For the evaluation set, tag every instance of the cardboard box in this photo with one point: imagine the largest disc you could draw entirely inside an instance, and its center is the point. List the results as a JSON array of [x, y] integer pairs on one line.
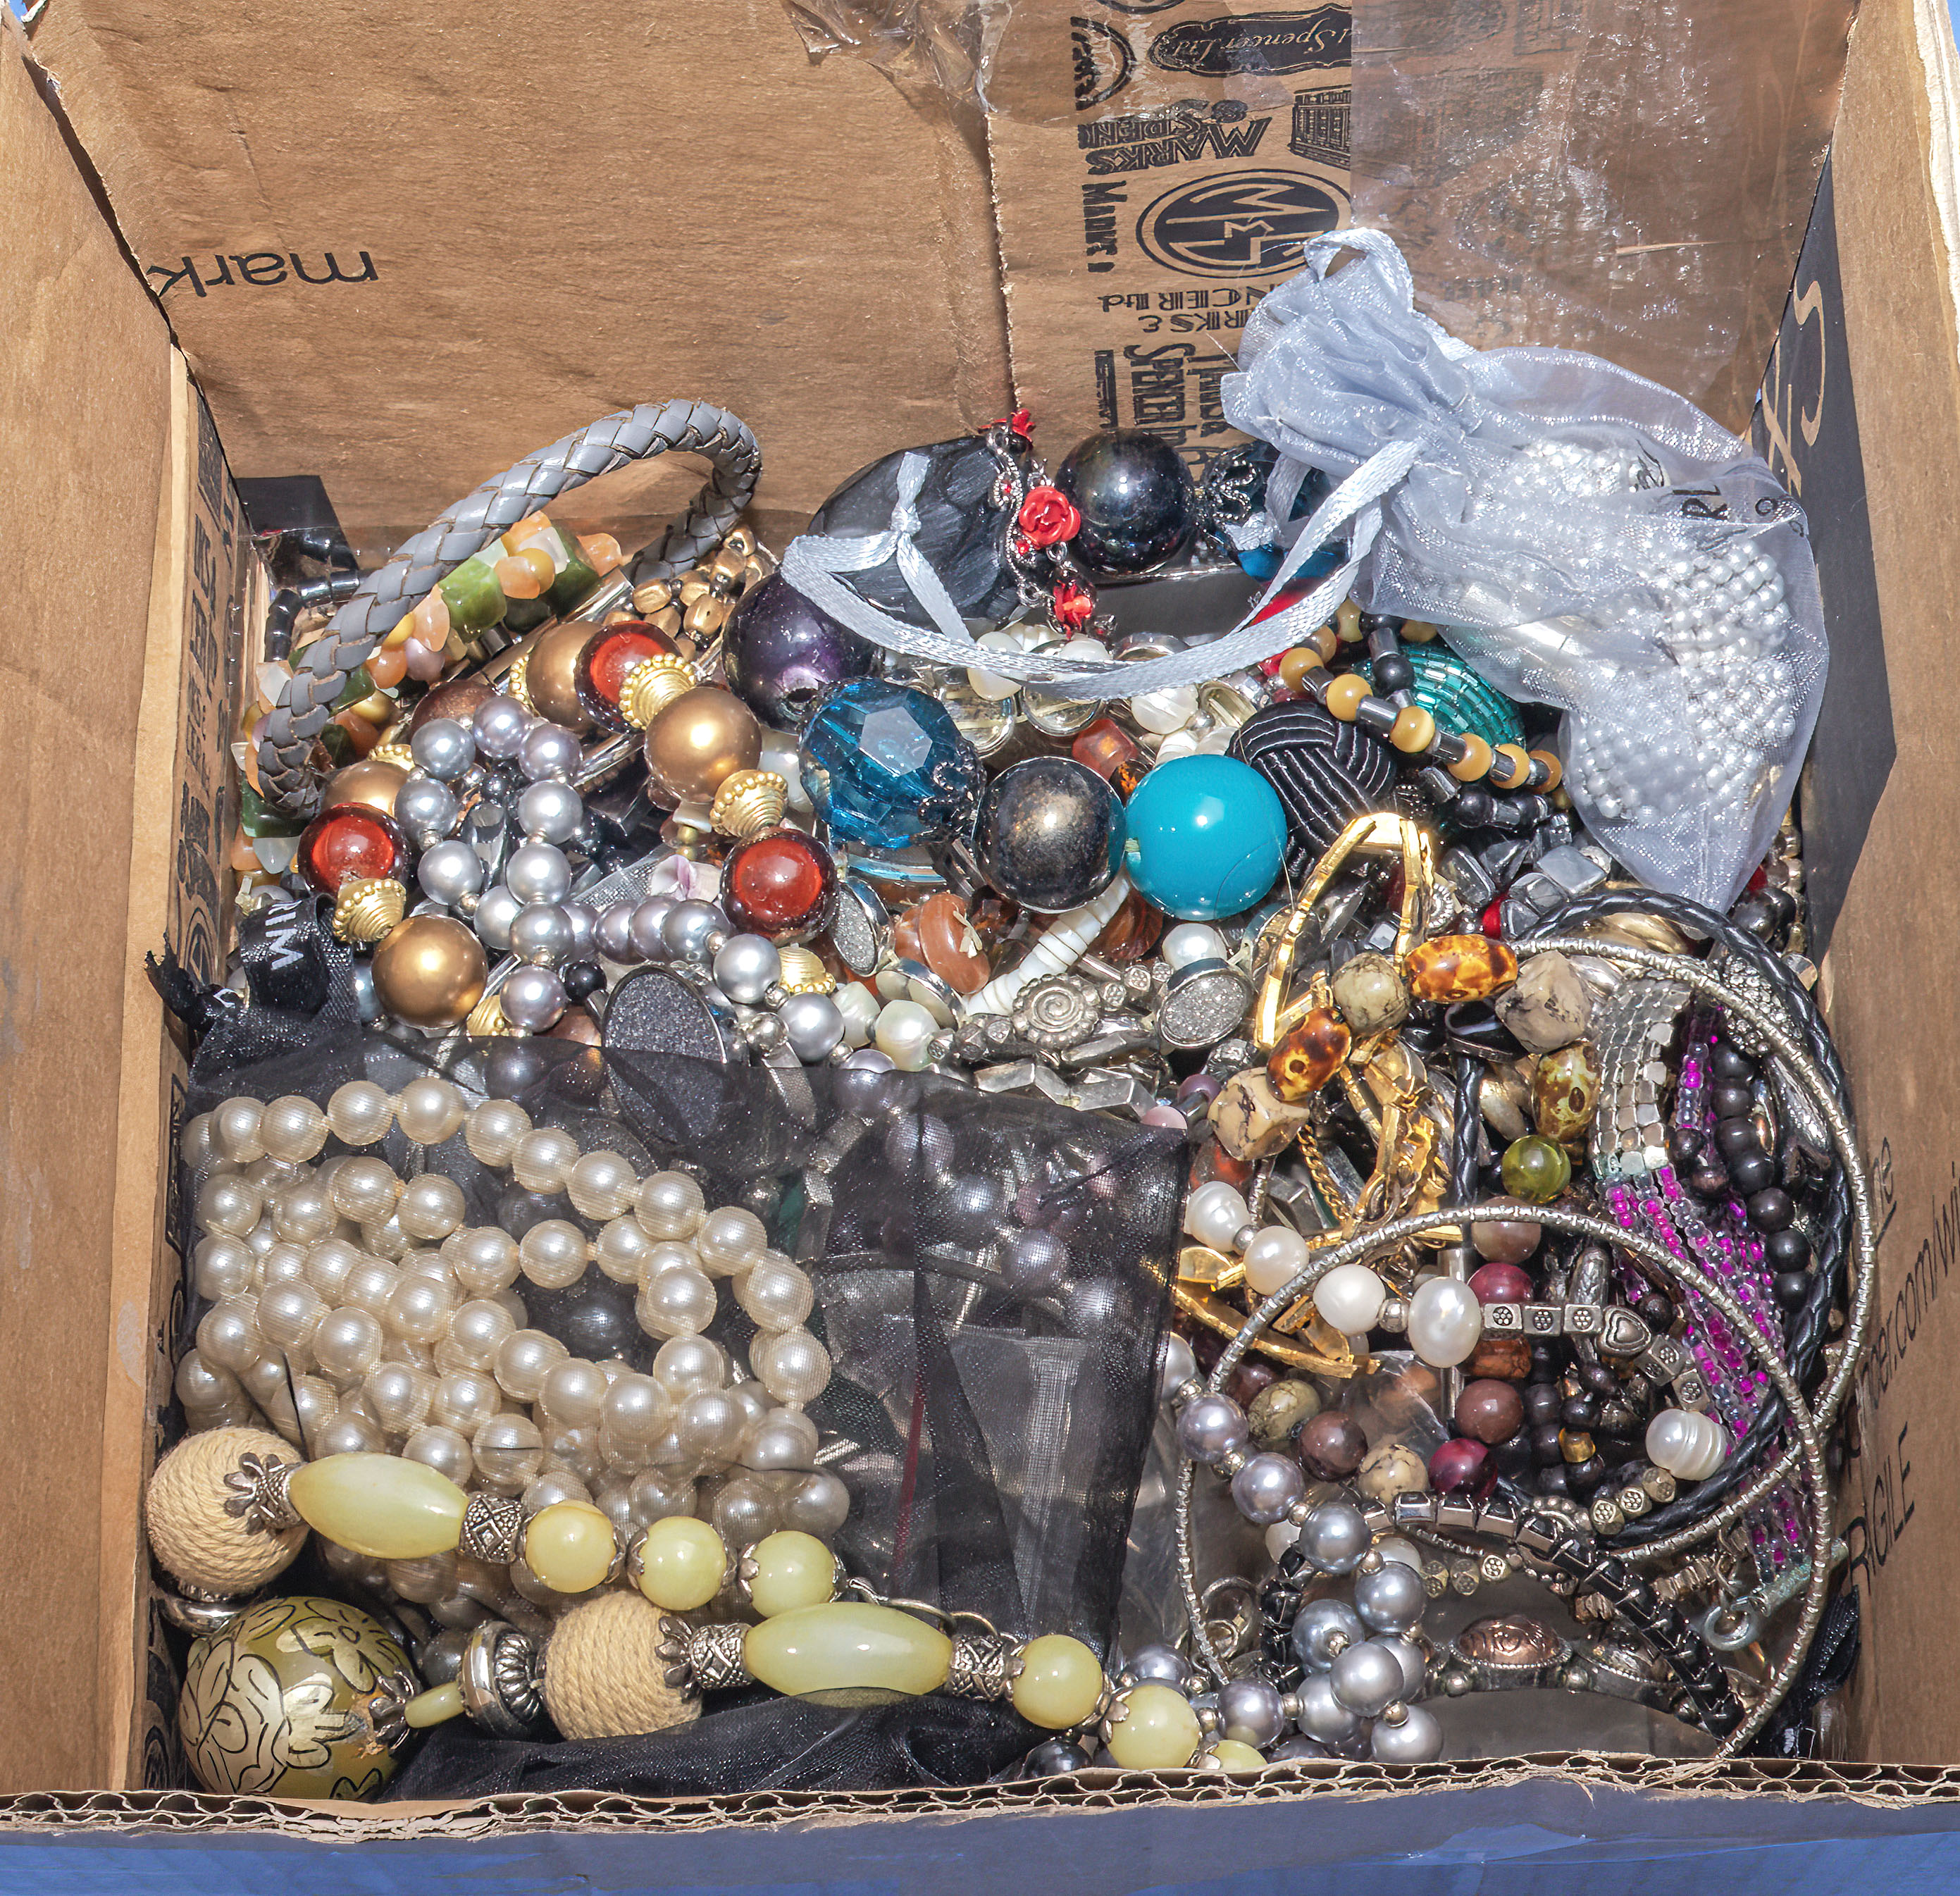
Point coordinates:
[[133, 598]]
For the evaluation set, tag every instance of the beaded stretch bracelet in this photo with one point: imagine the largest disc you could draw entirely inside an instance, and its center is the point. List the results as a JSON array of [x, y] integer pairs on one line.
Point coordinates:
[[1396, 717]]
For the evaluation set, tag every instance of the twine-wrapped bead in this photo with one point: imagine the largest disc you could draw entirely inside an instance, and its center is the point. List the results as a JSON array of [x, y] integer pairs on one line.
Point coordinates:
[[606, 1670], [194, 1534]]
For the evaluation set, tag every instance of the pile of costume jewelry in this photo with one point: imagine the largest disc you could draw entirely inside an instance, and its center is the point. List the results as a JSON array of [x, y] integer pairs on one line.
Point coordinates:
[[1526, 1240]]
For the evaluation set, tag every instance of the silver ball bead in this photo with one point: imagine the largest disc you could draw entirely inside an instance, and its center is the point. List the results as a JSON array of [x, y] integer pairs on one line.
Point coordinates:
[[549, 750], [1334, 1536], [1367, 1678], [1176, 1365], [1318, 1627], [425, 808], [647, 923], [1266, 1487], [584, 920], [689, 927], [494, 913], [449, 871], [1390, 1601], [764, 1032], [550, 811], [537, 872], [815, 1024], [1158, 1666], [541, 933], [613, 936], [744, 968], [533, 999], [1034, 1262], [499, 727], [1249, 1710], [1415, 1668], [443, 748], [1210, 1428], [1415, 1739], [1322, 1716]]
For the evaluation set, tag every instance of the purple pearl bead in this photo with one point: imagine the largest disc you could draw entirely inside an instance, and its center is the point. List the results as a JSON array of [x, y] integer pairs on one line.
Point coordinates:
[[778, 651], [1200, 1086]]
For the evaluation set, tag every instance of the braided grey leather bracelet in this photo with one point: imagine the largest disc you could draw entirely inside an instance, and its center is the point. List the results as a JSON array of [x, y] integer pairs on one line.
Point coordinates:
[[323, 668]]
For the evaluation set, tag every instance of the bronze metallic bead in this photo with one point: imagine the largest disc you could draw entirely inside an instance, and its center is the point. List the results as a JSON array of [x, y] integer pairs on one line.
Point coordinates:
[[429, 971], [703, 736], [366, 782], [550, 669]]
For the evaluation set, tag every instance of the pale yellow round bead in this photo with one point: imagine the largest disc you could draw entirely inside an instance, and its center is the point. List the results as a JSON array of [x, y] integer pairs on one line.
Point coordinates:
[[601, 1184], [606, 1674], [1157, 1730], [569, 1546], [431, 1207], [293, 1128], [493, 1129], [234, 1129], [682, 1563], [1228, 1754], [429, 1111], [360, 1113], [365, 1190], [193, 1533], [622, 1248], [540, 1160], [792, 1570], [1060, 1683]]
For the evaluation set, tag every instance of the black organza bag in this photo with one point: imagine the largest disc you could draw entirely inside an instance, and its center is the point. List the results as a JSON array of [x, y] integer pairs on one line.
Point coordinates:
[[990, 1278]]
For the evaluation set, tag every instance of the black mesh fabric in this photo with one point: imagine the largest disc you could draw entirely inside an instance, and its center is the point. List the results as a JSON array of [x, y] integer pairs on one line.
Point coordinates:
[[990, 1419]]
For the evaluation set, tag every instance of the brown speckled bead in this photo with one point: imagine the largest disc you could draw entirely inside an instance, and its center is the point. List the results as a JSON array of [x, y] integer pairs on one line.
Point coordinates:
[[1565, 1092], [1454, 968], [1507, 1358], [1332, 1445], [1310, 1056], [1489, 1410]]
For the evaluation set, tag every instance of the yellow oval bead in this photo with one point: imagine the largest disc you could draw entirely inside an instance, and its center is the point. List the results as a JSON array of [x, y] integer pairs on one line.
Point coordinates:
[[1158, 1730], [435, 1706], [792, 1570], [1415, 731], [1060, 1683], [1228, 1754], [682, 1563], [569, 1546], [379, 1504], [848, 1653]]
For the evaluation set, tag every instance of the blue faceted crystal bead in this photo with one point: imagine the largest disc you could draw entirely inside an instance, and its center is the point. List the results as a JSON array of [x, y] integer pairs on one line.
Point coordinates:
[[886, 766]]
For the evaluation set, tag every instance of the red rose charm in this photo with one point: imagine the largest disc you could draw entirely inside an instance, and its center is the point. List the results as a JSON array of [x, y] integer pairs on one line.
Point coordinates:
[[1073, 605], [1049, 516]]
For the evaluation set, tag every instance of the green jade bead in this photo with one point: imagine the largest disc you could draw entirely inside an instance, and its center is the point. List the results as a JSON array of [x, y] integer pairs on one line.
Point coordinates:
[[379, 1505], [474, 599], [848, 1653], [1535, 1169]]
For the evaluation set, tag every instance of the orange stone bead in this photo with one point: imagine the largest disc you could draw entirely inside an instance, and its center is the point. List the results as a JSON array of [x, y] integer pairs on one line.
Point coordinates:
[[387, 665], [947, 944], [1310, 1056], [1476, 760], [601, 552], [1344, 696], [1295, 665], [1509, 766], [1415, 731], [1554, 770], [1454, 968]]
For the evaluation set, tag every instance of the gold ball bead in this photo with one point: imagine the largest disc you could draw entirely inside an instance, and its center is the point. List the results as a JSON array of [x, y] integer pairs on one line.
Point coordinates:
[[549, 668], [368, 782], [703, 736], [429, 971]]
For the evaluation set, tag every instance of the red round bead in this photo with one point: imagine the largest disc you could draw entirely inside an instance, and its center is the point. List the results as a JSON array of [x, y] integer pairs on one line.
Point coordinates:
[[350, 839], [608, 656], [783, 885], [1461, 1465], [1501, 1283]]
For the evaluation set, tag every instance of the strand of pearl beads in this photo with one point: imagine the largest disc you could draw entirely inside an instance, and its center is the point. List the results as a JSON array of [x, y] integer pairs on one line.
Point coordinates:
[[331, 1314]]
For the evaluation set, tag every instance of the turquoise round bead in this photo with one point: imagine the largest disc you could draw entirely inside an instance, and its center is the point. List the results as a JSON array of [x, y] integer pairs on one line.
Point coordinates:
[[1207, 837]]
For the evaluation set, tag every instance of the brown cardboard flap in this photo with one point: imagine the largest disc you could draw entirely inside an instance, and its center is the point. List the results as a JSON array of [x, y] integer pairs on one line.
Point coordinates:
[[402, 250], [1629, 179], [1887, 978], [85, 417]]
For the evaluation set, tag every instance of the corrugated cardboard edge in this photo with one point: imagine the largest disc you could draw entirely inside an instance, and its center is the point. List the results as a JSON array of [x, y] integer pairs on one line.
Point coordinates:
[[1880, 1787], [142, 1112]]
